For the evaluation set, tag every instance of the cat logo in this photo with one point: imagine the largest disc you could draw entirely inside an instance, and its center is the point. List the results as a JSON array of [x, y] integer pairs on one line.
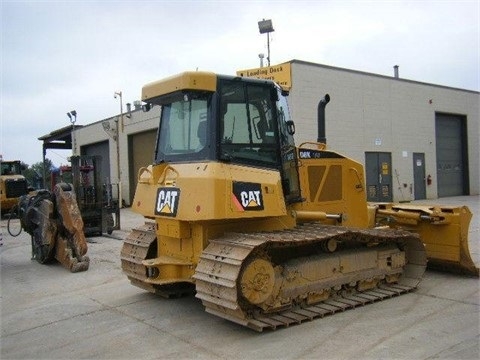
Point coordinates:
[[167, 201], [247, 196]]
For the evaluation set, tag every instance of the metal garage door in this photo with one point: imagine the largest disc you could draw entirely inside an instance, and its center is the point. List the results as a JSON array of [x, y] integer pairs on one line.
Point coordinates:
[[141, 148], [452, 164], [101, 149]]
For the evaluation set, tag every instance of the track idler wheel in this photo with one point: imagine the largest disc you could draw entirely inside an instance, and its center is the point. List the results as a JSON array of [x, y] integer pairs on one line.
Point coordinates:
[[257, 281], [329, 246]]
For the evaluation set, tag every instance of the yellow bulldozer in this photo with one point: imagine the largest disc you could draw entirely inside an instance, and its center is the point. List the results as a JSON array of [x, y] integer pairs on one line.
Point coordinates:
[[265, 232], [12, 184]]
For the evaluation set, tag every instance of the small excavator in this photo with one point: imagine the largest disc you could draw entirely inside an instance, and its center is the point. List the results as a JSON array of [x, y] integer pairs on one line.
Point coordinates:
[[266, 233]]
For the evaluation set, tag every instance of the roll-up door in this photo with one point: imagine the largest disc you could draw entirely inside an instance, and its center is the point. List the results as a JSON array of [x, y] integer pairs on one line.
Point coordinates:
[[451, 148], [141, 148]]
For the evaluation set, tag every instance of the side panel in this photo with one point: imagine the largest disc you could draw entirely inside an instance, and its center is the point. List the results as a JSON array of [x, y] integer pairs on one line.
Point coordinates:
[[334, 185], [209, 191]]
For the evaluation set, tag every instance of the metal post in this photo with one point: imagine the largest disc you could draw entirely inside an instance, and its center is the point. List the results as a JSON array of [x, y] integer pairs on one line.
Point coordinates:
[[265, 26], [72, 115], [119, 181], [268, 48]]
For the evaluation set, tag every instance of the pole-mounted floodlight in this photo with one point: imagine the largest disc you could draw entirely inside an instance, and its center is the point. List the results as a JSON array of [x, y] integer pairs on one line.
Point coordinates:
[[265, 26], [72, 115]]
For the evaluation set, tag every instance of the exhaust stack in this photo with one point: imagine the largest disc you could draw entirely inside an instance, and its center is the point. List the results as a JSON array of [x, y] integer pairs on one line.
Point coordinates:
[[321, 119]]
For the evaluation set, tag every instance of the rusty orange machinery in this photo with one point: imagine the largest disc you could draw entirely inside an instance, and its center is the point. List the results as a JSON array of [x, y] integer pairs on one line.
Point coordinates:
[[55, 224]]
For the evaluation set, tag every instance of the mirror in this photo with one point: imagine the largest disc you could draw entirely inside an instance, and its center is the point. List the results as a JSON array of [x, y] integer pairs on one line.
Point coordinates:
[[291, 127]]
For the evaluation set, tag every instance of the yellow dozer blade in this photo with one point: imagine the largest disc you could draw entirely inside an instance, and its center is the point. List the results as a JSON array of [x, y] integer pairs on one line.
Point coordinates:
[[443, 230]]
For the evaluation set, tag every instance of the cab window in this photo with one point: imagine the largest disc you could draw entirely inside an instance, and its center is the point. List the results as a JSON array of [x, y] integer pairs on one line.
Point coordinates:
[[247, 130]]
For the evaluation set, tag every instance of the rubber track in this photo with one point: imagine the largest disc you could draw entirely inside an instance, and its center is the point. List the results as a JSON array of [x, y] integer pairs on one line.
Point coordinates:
[[221, 262]]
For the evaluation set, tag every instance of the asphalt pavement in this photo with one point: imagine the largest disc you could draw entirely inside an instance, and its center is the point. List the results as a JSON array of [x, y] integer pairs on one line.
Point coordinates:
[[50, 313]]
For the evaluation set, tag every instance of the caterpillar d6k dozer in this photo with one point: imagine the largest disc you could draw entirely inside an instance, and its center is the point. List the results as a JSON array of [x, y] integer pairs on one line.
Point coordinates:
[[55, 224], [267, 234]]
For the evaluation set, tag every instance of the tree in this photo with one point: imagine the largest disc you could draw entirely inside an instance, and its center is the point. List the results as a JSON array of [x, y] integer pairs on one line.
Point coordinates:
[[34, 174]]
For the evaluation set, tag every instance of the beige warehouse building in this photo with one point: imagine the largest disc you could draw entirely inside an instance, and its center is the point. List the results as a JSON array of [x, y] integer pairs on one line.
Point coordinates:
[[416, 140]]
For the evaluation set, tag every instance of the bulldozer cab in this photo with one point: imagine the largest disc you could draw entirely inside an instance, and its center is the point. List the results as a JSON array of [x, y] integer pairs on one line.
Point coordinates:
[[234, 121], [11, 168]]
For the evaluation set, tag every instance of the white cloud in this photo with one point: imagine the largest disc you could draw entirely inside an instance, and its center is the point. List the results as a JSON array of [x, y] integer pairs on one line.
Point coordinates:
[[64, 55]]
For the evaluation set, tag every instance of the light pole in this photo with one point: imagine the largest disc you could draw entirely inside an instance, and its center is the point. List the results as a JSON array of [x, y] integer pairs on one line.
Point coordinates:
[[265, 26], [119, 94], [72, 115], [261, 56]]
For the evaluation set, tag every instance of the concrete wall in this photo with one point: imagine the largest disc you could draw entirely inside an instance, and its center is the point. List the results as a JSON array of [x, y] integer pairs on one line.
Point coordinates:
[[138, 122], [368, 112]]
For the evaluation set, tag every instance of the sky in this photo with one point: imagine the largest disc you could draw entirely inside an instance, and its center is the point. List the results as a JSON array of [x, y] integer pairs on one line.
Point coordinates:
[[58, 56]]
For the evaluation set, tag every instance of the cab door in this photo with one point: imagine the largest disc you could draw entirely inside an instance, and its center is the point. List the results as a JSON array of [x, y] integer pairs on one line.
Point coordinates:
[[288, 152]]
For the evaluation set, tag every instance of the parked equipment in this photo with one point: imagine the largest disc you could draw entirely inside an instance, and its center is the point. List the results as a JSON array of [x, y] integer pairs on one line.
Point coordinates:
[[12, 184], [99, 209], [54, 222], [267, 233]]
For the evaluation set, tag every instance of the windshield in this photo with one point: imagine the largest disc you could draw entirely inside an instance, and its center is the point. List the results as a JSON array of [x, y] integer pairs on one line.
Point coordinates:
[[183, 128], [11, 168]]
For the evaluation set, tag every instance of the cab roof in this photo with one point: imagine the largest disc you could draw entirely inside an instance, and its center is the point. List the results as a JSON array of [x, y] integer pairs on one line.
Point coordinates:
[[189, 80]]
